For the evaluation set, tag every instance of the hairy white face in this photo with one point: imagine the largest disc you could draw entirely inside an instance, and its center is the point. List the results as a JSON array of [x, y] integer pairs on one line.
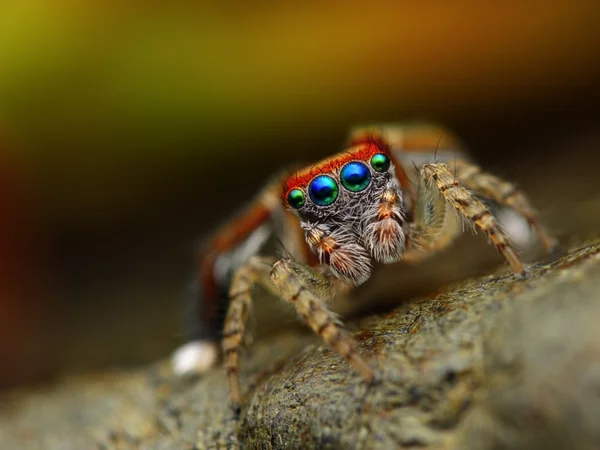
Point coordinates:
[[350, 208]]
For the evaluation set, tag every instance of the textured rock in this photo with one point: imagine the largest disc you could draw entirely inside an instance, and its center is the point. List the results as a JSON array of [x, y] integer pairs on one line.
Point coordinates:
[[494, 362]]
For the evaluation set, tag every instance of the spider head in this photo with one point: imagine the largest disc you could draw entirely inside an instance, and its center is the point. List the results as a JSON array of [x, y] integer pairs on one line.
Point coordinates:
[[350, 208]]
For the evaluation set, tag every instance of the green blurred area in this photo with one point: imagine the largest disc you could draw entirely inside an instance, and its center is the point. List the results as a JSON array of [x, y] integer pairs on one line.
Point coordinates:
[[136, 127], [103, 92]]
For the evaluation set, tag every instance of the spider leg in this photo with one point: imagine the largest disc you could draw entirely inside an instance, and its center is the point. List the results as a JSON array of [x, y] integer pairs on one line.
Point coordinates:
[[234, 234], [304, 287], [254, 272], [435, 224], [440, 192], [297, 284], [239, 239], [505, 193]]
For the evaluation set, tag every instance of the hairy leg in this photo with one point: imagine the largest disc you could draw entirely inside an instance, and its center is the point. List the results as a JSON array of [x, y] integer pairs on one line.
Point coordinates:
[[254, 272], [440, 193], [237, 240], [298, 284], [435, 224], [505, 193], [240, 238]]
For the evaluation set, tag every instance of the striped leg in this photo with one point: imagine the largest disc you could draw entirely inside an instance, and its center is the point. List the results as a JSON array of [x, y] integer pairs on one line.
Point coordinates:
[[237, 240], [505, 193], [435, 224], [296, 284], [438, 177], [255, 271], [242, 234]]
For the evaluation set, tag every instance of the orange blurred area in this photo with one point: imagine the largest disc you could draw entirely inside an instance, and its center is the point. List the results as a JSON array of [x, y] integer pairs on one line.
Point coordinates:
[[137, 127]]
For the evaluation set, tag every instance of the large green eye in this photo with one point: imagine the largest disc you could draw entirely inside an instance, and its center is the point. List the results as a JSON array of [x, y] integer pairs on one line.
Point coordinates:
[[380, 162], [295, 198], [323, 190], [355, 176]]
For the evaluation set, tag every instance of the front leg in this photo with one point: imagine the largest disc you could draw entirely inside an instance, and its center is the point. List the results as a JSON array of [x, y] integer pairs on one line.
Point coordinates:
[[293, 282], [296, 284], [442, 190], [254, 272], [505, 193]]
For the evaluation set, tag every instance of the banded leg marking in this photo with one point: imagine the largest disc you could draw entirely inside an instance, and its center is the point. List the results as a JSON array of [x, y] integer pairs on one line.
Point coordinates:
[[505, 193], [255, 271], [439, 176], [294, 289]]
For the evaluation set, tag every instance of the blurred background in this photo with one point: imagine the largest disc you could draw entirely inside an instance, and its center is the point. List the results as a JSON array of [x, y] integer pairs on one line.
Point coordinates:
[[128, 130]]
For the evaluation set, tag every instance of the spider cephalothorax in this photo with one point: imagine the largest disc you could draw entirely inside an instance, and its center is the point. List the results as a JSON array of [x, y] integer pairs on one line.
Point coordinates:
[[350, 208], [397, 192]]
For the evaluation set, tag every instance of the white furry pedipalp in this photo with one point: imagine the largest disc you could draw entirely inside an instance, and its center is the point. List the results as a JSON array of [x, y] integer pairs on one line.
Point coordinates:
[[339, 248]]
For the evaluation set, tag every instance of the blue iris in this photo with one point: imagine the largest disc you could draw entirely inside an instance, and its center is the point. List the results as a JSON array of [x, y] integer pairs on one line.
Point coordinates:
[[355, 176], [323, 190]]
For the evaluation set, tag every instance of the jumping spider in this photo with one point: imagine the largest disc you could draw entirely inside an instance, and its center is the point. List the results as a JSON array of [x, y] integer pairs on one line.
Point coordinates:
[[396, 193]]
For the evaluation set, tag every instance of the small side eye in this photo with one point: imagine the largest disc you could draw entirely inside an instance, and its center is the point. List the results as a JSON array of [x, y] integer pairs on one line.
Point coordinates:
[[355, 176], [296, 198], [323, 190], [380, 162]]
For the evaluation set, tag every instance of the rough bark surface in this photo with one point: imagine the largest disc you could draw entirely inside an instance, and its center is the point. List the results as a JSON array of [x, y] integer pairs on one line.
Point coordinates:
[[490, 363]]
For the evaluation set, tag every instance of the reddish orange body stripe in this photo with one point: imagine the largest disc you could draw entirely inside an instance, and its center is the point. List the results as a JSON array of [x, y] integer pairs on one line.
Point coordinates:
[[223, 241], [362, 152]]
